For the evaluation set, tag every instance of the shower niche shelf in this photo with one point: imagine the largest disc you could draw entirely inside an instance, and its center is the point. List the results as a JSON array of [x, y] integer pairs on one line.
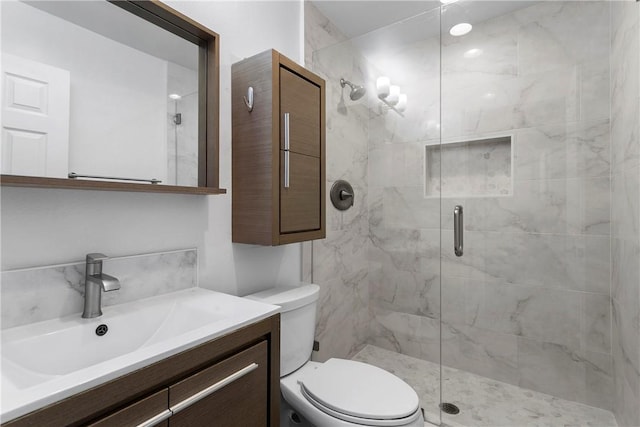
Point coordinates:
[[470, 168]]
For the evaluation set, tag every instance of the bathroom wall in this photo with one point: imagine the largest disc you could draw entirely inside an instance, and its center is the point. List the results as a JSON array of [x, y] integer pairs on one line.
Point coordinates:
[[340, 261], [529, 302], [43, 226], [625, 213]]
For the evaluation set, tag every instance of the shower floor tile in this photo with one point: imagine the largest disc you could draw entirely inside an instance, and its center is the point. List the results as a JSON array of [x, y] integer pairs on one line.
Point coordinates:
[[482, 401]]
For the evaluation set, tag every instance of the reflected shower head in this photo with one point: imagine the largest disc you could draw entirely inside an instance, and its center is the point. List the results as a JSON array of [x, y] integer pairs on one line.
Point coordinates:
[[357, 92]]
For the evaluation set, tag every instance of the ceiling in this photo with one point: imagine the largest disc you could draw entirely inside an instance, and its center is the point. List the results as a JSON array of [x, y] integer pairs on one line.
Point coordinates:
[[357, 17]]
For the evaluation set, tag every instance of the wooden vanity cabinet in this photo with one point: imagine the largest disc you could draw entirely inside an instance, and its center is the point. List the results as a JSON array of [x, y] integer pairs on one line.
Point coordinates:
[[278, 152], [232, 381]]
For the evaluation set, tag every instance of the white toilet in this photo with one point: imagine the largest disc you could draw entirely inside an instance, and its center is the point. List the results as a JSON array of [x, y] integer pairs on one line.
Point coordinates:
[[337, 392]]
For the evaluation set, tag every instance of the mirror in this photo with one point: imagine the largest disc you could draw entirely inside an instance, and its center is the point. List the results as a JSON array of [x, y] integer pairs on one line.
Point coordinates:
[[114, 92]]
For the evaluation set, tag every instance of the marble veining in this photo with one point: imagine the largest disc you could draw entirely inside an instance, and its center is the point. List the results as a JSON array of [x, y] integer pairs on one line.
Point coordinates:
[[482, 401], [475, 168], [625, 228], [339, 263], [43, 293], [532, 292]]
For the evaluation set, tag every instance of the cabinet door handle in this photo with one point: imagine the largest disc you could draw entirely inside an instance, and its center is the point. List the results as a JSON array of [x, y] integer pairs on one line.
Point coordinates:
[[212, 389], [287, 141], [156, 419], [458, 230], [286, 169]]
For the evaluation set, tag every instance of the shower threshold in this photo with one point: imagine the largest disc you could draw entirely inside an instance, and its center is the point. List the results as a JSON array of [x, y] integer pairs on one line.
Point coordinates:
[[483, 402]]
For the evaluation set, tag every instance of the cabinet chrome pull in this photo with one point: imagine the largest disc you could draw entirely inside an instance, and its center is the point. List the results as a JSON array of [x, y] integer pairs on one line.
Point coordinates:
[[212, 388], [157, 419], [287, 141], [286, 169], [458, 230]]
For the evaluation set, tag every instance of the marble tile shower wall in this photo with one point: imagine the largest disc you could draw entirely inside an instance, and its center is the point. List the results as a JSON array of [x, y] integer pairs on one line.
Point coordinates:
[[340, 261], [529, 303], [625, 227], [43, 293]]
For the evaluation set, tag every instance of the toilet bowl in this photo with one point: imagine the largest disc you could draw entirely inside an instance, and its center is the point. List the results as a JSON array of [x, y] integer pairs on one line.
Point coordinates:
[[337, 392]]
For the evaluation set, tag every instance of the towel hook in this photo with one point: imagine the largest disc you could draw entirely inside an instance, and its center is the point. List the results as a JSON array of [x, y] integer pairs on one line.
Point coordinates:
[[248, 100]]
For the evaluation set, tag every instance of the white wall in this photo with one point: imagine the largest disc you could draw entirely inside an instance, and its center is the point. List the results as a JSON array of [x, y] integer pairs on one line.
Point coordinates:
[[53, 226]]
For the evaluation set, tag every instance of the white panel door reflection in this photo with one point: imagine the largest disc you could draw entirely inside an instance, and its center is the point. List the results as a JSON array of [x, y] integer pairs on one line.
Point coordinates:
[[35, 118]]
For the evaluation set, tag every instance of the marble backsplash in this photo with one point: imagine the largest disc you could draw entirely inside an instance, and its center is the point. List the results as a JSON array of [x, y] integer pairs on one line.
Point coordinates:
[[48, 292]]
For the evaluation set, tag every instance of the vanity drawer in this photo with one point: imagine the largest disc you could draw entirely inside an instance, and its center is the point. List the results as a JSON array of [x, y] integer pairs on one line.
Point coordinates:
[[230, 393], [154, 406]]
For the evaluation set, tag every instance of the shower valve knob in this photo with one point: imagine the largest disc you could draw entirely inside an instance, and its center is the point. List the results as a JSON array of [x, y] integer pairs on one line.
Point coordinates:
[[342, 195]]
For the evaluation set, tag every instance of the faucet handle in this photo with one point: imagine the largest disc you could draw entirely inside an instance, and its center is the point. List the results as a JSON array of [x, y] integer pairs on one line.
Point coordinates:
[[96, 257]]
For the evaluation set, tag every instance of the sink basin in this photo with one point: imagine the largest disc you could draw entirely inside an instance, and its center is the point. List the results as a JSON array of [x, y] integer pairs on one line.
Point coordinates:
[[71, 344], [47, 361]]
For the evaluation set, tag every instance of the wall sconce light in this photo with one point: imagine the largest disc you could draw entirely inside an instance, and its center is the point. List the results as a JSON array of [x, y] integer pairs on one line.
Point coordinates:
[[394, 95], [382, 86], [390, 94], [402, 102]]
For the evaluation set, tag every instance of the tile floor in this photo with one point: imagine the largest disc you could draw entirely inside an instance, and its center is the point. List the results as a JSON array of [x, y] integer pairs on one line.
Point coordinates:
[[483, 401]]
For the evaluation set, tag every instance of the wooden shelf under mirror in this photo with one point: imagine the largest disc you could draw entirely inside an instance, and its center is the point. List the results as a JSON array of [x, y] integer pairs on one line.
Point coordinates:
[[152, 139], [74, 184]]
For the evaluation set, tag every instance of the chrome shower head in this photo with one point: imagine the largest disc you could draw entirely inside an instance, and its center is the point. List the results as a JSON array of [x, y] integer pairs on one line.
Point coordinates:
[[357, 92]]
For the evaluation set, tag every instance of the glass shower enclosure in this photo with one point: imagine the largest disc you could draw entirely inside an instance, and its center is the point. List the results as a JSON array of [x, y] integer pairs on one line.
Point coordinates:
[[496, 237]]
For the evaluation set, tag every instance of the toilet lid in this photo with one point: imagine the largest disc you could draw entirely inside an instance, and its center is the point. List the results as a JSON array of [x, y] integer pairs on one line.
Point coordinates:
[[360, 390]]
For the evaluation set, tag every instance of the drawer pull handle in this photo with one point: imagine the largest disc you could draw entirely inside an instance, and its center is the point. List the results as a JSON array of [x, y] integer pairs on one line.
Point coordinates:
[[287, 140], [212, 389], [157, 419], [287, 170]]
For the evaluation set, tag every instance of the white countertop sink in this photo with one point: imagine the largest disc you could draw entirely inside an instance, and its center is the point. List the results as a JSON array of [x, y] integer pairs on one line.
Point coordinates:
[[47, 361]]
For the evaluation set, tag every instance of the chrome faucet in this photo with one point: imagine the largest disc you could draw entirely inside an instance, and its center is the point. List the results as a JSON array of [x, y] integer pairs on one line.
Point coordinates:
[[94, 283]]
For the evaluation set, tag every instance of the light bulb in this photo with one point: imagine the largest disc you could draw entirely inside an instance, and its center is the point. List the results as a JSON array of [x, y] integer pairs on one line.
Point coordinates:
[[394, 95], [402, 102], [382, 86]]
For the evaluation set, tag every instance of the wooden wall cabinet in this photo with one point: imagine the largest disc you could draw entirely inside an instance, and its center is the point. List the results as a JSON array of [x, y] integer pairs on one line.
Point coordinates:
[[278, 152], [240, 373]]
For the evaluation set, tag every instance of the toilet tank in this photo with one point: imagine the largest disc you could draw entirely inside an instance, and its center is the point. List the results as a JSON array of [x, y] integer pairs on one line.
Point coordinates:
[[297, 322]]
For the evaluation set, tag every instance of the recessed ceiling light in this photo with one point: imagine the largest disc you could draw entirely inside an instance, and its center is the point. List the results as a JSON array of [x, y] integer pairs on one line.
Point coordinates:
[[174, 96], [460, 29], [448, 1], [473, 53]]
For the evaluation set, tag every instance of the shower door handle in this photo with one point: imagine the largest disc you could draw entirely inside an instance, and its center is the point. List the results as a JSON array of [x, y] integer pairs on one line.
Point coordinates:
[[458, 230]]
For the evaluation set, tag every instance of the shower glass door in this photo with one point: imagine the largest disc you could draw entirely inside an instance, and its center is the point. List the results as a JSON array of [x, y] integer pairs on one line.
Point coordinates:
[[525, 154]]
